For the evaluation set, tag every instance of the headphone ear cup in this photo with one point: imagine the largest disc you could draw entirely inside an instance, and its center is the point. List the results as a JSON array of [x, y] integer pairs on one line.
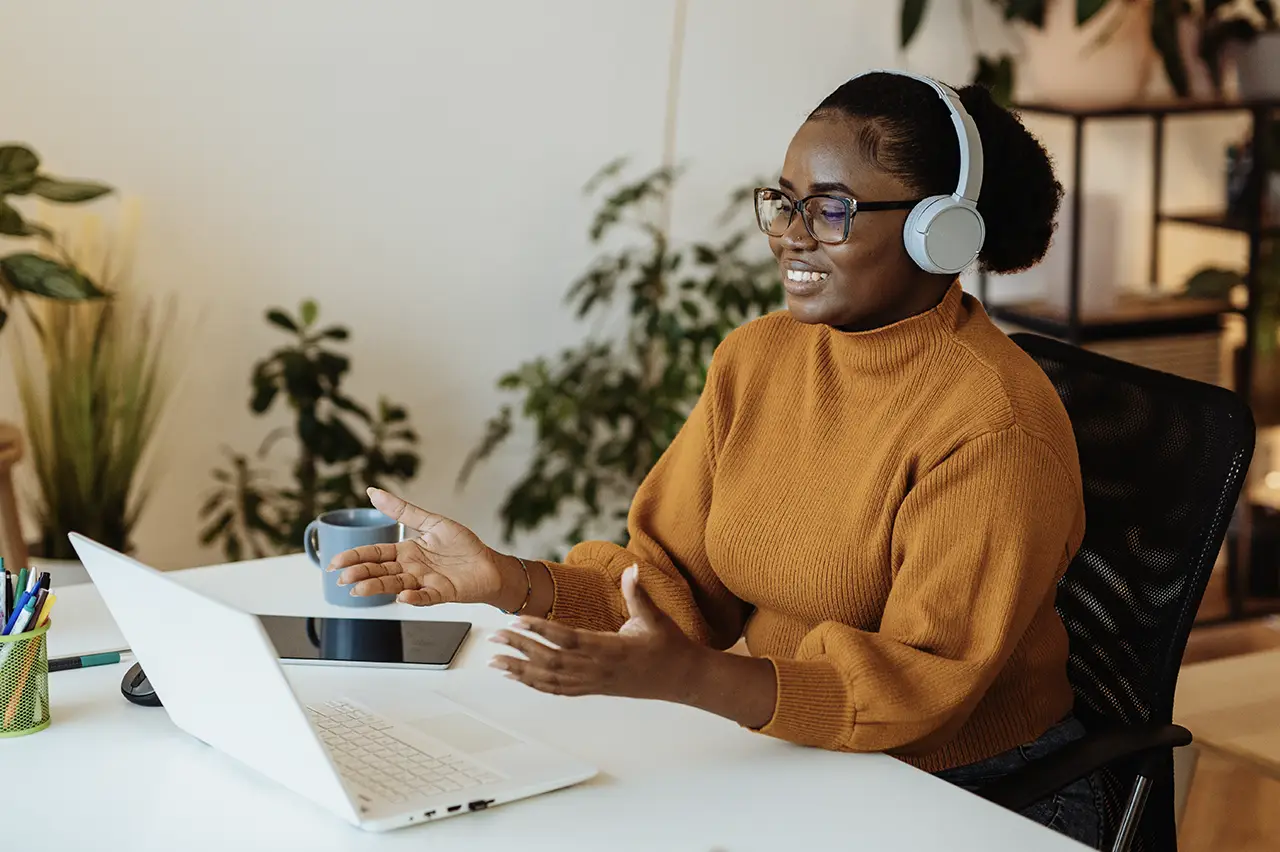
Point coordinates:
[[916, 229], [943, 234]]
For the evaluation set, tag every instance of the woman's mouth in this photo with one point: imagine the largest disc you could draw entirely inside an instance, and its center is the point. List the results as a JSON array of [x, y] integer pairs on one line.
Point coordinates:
[[803, 282]]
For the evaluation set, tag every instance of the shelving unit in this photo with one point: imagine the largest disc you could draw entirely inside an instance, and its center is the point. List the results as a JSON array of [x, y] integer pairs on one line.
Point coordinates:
[[1152, 316]]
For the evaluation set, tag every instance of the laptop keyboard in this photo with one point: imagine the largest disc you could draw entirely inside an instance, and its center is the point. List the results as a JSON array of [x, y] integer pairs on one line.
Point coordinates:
[[360, 744]]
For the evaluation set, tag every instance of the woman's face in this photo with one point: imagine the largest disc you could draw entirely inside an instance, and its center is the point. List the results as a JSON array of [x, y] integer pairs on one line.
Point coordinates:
[[870, 280]]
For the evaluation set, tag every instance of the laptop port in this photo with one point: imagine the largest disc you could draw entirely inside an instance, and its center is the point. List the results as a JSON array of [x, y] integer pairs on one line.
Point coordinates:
[[480, 804], [454, 808]]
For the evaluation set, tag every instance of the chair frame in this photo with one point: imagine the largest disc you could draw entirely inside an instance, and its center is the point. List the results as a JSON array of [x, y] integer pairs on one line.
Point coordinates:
[[1146, 746]]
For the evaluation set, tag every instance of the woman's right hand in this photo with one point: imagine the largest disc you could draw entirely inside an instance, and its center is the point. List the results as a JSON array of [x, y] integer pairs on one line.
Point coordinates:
[[446, 563]]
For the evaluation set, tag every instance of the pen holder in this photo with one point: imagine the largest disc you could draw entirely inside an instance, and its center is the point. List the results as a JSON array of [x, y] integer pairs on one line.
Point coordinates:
[[24, 683]]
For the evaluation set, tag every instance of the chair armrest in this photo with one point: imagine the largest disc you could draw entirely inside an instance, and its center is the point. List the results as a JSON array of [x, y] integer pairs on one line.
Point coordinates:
[[1082, 757]]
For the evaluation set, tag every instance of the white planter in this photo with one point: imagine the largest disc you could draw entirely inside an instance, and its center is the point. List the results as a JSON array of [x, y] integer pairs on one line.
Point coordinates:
[[62, 572], [1258, 67], [1064, 63]]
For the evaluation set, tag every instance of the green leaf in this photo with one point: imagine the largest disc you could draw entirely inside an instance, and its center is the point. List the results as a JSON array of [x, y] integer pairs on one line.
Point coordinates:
[[217, 528], [310, 312], [912, 15], [335, 333], [997, 75], [275, 316], [41, 276], [68, 191], [404, 465], [1086, 9], [264, 393], [352, 406], [13, 225], [18, 160]]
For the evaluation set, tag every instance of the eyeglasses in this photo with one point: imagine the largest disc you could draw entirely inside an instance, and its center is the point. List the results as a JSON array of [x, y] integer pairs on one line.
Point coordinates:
[[827, 218]]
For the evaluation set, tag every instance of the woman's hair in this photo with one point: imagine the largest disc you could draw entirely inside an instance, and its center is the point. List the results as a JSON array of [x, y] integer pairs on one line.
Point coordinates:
[[907, 132]]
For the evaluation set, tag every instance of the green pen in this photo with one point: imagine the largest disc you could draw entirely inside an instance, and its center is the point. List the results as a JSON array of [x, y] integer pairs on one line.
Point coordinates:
[[84, 661]]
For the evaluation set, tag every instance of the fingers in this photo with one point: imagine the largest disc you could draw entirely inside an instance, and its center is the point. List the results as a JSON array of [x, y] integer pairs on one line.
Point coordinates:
[[556, 634], [385, 552], [543, 655], [387, 584], [556, 683], [406, 513], [639, 604]]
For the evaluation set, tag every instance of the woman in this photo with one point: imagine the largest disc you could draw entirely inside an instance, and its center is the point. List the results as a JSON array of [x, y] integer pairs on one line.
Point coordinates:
[[877, 489]]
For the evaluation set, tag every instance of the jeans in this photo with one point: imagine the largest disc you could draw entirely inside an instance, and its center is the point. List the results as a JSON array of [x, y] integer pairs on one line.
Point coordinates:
[[1075, 811]]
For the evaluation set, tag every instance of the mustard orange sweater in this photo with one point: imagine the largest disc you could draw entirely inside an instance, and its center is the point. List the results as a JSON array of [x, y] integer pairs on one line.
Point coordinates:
[[882, 514]]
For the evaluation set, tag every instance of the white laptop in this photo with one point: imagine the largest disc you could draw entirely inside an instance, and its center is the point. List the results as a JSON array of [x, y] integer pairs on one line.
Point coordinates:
[[338, 751]]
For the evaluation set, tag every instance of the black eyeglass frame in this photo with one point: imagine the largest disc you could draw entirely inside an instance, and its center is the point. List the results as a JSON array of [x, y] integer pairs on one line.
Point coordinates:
[[851, 208]]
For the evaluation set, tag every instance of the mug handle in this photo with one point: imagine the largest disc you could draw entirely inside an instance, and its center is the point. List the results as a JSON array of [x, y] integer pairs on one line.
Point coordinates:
[[312, 636], [311, 544]]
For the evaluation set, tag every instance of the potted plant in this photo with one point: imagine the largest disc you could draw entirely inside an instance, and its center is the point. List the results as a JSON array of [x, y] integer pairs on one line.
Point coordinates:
[[604, 411], [93, 381], [1079, 52], [1251, 30], [342, 447]]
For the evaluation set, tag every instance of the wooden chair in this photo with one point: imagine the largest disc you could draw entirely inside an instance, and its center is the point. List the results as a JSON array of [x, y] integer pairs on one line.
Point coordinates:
[[13, 546]]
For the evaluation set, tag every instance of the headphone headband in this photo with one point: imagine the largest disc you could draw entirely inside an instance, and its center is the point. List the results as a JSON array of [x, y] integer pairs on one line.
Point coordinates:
[[969, 184]]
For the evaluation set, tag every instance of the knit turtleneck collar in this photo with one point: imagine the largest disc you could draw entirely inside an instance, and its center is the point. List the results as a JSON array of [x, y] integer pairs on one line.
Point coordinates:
[[890, 346]]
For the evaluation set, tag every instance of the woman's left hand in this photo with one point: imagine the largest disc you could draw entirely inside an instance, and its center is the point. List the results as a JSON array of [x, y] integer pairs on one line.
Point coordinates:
[[649, 657]]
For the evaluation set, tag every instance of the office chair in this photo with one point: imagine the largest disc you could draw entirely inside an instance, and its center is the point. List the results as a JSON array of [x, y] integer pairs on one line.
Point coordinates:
[[1163, 460]]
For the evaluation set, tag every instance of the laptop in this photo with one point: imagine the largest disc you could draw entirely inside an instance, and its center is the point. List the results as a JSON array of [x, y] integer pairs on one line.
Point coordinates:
[[337, 750]]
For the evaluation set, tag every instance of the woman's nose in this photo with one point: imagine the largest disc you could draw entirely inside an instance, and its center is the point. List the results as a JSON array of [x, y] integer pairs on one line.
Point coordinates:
[[797, 236]]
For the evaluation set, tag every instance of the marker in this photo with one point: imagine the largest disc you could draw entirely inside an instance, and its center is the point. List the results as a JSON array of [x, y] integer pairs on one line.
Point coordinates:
[[22, 582], [42, 617], [84, 661]]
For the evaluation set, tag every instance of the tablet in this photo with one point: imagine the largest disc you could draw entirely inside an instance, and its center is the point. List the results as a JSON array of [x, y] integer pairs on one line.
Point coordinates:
[[384, 643]]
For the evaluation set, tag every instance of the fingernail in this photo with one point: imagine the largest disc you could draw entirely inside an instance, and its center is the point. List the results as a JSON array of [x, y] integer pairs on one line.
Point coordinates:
[[499, 639], [521, 624], [498, 663]]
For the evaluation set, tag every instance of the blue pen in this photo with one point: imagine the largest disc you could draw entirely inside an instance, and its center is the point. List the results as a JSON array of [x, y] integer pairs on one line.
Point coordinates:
[[17, 611]]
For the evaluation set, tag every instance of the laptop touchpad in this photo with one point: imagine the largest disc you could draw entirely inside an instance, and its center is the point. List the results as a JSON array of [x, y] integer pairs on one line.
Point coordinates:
[[465, 733]]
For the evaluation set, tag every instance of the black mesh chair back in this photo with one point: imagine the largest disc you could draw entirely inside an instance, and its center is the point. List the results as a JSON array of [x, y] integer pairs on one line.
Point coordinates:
[[1163, 460]]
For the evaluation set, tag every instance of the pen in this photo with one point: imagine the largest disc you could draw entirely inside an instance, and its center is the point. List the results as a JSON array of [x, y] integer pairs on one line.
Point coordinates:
[[6, 597], [22, 583], [84, 661], [18, 607]]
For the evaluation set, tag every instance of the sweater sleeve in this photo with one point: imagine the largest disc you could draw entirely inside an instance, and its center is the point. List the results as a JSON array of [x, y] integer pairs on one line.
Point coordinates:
[[978, 546], [667, 540]]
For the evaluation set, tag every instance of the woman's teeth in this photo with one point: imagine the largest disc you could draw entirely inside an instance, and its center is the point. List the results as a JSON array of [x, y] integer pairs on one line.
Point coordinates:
[[801, 275]]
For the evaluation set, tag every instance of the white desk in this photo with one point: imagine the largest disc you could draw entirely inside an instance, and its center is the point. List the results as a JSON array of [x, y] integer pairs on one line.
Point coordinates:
[[110, 775]]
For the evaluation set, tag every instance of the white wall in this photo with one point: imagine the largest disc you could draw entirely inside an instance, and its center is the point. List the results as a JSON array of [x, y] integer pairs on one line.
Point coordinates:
[[347, 150]]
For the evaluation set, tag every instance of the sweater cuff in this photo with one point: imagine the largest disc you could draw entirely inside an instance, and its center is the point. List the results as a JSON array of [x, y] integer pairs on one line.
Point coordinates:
[[582, 597], [814, 705]]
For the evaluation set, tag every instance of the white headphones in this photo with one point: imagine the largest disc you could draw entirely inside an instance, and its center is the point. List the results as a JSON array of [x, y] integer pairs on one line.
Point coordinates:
[[944, 233]]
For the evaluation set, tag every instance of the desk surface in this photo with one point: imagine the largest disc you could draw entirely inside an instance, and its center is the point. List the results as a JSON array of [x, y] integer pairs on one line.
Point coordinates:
[[1232, 706], [111, 775]]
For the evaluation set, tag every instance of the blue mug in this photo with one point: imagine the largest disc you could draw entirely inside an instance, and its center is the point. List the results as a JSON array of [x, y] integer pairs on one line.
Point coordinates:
[[334, 532]]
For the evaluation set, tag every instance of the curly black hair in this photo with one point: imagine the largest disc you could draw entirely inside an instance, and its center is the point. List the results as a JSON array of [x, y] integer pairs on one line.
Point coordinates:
[[907, 131]]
